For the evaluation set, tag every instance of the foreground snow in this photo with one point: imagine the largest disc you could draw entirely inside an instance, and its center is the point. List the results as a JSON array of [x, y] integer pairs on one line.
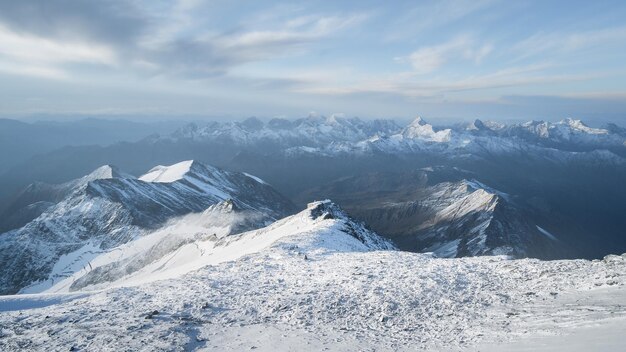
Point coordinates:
[[288, 297]]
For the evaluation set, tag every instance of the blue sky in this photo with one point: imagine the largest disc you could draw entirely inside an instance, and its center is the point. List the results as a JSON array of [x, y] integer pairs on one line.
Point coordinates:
[[232, 59]]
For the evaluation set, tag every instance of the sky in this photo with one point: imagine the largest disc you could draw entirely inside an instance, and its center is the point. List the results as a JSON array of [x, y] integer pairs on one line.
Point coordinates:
[[443, 59]]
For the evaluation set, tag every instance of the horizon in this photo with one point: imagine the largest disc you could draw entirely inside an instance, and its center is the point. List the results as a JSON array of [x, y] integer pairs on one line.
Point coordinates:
[[205, 119]]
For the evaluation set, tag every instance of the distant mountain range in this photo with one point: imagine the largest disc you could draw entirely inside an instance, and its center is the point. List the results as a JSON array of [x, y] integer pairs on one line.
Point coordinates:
[[541, 189]]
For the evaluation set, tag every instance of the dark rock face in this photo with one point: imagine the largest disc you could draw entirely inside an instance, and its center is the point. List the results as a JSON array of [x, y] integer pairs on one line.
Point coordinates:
[[450, 218]]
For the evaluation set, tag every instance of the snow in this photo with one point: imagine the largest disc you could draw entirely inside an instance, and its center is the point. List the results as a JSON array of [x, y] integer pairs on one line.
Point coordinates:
[[65, 266], [105, 213], [194, 241], [419, 129], [166, 174], [25, 302], [316, 281], [255, 178], [288, 298], [548, 234], [580, 126]]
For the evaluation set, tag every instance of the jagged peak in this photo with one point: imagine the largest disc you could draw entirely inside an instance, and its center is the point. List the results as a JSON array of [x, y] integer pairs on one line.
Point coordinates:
[[418, 121], [534, 123], [579, 125], [325, 209], [333, 118], [419, 129], [228, 206], [477, 125], [106, 172]]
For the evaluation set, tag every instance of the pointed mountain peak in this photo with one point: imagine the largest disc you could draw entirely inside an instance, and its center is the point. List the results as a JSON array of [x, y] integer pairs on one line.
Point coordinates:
[[419, 129], [226, 206], [477, 125], [418, 121], [105, 172], [334, 118], [167, 174], [325, 209]]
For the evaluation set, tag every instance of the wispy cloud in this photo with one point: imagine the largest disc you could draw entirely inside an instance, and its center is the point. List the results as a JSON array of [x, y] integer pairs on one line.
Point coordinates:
[[30, 48], [210, 54], [422, 16], [409, 85], [428, 59], [559, 43], [31, 55]]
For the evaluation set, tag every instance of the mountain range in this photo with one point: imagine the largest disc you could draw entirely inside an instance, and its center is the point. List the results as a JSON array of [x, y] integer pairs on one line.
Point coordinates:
[[106, 209], [563, 178]]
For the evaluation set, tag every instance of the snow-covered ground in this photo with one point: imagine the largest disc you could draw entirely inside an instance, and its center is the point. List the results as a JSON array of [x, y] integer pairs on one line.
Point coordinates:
[[315, 281], [287, 298]]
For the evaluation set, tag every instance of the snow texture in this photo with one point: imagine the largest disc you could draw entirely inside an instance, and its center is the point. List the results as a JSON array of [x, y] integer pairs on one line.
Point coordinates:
[[320, 281]]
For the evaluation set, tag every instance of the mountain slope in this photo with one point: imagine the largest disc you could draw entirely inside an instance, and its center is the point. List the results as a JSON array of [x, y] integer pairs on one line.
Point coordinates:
[[104, 213], [39, 196], [444, 211], [195, 241], [278, 299]]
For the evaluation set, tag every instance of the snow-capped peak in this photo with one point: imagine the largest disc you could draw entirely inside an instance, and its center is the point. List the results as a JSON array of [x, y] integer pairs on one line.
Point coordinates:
[[477, 125], [197, 240], [578, 125], [167, 174], [106, 172], [419, 129]]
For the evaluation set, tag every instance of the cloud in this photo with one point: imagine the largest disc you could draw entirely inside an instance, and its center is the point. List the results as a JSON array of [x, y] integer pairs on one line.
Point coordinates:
[[172, 39], [563, 43], [31, 48], [409, 84], [113, 21], [432, 14], [428, 59], [31, 55], [213, 54]]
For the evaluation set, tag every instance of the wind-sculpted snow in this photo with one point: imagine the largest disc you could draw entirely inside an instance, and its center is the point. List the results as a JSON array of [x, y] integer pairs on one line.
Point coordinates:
[[201, 239], [287, 298], [105, 213]]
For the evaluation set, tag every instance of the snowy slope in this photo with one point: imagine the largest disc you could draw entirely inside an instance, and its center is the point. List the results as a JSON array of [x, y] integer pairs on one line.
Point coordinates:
[[37, 197], [280, 300], [195, 241], [445, 211], [105, 213], [468, 218]]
